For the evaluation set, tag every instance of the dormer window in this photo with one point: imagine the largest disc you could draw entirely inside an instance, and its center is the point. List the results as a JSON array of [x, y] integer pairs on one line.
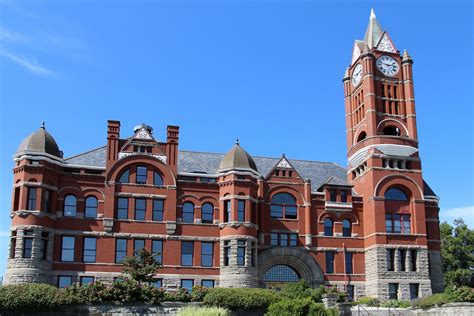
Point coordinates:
[[141, 175], [344, 196], [332, 195]]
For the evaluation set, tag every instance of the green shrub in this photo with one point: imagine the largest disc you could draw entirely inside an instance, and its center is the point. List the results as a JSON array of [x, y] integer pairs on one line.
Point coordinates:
[[396, 304], [296, 290], [203, 311], [198, 293], [127, 291], [461, 294], [33, 297], [368, 301], [95, 292], [154, 295], [429, 301], [298, 307], [241, 299]]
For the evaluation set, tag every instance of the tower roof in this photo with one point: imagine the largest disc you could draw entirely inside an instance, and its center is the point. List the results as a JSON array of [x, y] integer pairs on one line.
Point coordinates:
[[40, 141], [237, 158], [374, 31]]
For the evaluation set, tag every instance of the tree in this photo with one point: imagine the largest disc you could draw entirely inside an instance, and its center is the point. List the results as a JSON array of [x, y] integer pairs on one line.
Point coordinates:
[[457, 248], [141, 267]]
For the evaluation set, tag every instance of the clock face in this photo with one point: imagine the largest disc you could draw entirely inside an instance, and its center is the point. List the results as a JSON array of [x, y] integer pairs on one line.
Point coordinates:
[[357, 75], [387, 65]]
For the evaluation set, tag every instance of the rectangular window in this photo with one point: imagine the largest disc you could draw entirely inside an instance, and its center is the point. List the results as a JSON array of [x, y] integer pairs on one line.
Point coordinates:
[[13, 245], [227, 210], [47, 201], [349, 267], [64, 281], [290, 212], [207, 251], [157, 250], [27, 243], [332, 195], [137, 245], [241, 210], [293, 240], [140, 209], [403, 258], [330, 262], [226, 253], [158, 283], [158, 208], [413, 259], [414, 288], [390, 259], [276, 211], [187, 284], [283, 240], [187, 253], [393, 291], [397, 225], [141, 175], [274, 239], [344, 196], [90, 244], [84, 280], [122, 208], [241, 252], [31, 205], [120, 250], [44, 245], [207, 283], [67, 249]]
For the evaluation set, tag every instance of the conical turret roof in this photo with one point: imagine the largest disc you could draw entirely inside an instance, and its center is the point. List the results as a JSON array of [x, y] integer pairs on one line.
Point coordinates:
[[237, 159], [40, 141]]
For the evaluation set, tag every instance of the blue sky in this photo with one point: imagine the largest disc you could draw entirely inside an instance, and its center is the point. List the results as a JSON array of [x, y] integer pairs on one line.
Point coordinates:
[[268, 72]]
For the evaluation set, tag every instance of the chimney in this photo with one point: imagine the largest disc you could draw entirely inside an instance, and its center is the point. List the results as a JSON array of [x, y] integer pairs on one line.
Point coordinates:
[[113, 137], [172, 138]]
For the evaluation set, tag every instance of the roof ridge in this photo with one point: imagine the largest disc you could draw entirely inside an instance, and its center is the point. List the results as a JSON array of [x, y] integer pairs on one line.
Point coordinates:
[[86, 152]]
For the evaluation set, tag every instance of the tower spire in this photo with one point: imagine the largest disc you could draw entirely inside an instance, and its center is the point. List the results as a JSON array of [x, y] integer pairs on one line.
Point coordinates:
[[374, 31]]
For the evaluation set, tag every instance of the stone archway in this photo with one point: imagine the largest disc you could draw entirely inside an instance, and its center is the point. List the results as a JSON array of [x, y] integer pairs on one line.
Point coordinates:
[[298, 259]]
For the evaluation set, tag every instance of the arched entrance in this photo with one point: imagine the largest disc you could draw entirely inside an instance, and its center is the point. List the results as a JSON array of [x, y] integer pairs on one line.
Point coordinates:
[[287, 264]]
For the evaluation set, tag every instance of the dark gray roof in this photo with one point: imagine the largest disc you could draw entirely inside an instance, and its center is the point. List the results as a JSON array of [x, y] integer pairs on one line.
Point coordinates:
[[40, 141], [201, 162], [237, 158]]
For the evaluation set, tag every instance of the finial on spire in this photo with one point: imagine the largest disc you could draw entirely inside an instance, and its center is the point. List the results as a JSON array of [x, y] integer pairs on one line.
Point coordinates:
[[372, 14], [406, 57], [237, 141], [283, 156], [42, 125]]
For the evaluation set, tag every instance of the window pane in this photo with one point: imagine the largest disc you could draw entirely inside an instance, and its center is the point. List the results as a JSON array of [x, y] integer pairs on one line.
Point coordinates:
[[187, 252], [397, 225], [67, 251], [124, 178], [188, 213], [141, 175], [64, 281], [346, 228], [157, 179], [140, 209], [241, 252], [328, 227], [122, 208], [120, 250], [283, 199], [207, 213], [91, 207], [227, 211], [87, 280], [290, 212], [281, 273], [157, 249], [396, 195], [349, 269], [157, 283], [137, 245], [241, 210], [89, 249], [388, 223], [406, 224], [207, 283], [207, 254], [329, 262], [187, 284], [31, 199], [27, 247], [293, 239], [277, 211], [274, 239], [158, 207], [283, 240], [70, 205]]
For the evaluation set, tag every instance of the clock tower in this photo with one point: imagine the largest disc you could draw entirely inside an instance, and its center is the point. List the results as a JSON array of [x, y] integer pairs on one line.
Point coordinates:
[[385, 168]]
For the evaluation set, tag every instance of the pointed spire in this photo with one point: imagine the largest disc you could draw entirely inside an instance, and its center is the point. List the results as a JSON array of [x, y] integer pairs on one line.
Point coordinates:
[[373, 32]]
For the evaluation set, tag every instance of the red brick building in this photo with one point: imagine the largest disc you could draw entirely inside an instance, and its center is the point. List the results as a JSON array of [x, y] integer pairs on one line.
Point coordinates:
[[235, 220]]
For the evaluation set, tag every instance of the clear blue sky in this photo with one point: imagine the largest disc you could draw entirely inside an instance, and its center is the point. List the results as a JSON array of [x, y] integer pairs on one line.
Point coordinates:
[[268, 72]]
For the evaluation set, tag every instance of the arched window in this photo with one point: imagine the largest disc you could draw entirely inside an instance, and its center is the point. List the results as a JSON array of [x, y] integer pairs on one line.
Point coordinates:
[[391, 131], [207, 213], [362, 136], [188, 212], [141, 175], [125, 176], [346, 228], [283, 206], [91, 207], [395, 194], [157, 178], [70, 205], [276, 275], [328, 227]]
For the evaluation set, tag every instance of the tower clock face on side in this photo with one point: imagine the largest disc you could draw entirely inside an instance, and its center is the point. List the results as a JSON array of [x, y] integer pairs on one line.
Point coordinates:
[[387, 65], [357, 75]]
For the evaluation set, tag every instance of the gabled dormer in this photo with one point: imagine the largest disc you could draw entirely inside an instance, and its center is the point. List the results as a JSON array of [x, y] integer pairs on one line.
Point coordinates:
[[283, 171], [338, 195], [143, 143]]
